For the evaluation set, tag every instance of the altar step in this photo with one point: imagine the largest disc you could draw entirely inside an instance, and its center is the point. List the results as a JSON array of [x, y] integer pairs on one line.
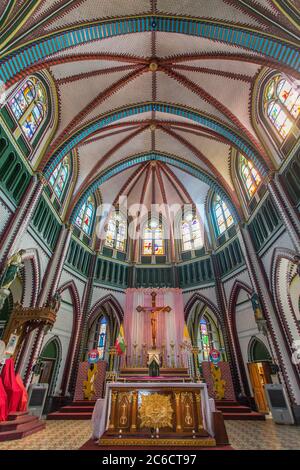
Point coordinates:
[[77, 410], [232, 410], [141, 374], [19, 425]]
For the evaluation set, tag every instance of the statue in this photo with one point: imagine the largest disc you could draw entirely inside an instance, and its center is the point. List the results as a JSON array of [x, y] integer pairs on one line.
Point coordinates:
[[55, 302], [13, 266], [258, 313]]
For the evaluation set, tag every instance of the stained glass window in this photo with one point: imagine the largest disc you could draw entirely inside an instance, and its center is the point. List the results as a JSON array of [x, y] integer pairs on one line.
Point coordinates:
[[102, 337], [85, 217], [191, 233], [222, 215], [204, 338], [29, 106], [60, 176], [116, 233], [250, 176], [209, 337], [153, 243], [282, 104]]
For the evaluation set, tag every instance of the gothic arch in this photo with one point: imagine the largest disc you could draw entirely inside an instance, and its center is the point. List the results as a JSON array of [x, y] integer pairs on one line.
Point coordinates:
[[280, 281], [197, 297], [56, 340], [238, 286], [71, 287], [97, 306]]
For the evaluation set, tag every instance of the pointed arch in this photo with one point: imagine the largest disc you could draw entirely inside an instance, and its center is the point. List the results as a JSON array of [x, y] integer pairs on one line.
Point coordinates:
[[58, 346], [97, 306], [196, 297], [70, 286]]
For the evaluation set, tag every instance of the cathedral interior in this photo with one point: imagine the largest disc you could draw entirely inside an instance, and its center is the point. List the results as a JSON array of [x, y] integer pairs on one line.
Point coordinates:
[[149, 224]]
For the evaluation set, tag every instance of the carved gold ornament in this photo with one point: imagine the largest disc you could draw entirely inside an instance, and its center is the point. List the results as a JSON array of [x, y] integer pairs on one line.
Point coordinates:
[[156, 411]]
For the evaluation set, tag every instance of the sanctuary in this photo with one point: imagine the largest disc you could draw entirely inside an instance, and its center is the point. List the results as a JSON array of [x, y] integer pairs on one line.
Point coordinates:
[[149, 223]]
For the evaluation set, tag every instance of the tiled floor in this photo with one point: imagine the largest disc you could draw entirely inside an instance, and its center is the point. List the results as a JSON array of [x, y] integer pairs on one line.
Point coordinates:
[[68, 435], [258, 435], [58, 435]]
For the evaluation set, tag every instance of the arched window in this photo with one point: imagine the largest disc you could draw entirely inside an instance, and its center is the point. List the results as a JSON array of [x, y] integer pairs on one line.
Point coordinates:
[[249, 175], [116, 233], [153, 243], [29, 106], [282, 104], [209, 337], [222, 215], [191, 233], [60, 176], [85, 218], [98, 335], [102, 337]]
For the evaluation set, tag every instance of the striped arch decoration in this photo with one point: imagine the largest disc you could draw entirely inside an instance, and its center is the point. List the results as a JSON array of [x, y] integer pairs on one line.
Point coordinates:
[[162, 157], [233, 137], [280, 52]]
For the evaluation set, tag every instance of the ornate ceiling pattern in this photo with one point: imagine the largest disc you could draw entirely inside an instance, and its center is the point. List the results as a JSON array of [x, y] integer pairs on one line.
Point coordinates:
[[152, 93]]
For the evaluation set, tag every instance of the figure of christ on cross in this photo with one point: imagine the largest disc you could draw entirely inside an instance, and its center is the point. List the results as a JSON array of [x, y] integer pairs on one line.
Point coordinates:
[[153, 310]]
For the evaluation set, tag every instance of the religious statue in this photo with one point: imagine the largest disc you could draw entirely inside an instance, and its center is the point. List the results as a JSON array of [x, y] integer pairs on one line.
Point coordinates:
[[55, 302], [89, 384], [258, 313], [13, 266], [153, 310]]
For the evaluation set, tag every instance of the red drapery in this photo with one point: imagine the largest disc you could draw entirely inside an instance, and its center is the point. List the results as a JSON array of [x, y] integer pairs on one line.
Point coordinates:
[[3, 402], [13, 391]]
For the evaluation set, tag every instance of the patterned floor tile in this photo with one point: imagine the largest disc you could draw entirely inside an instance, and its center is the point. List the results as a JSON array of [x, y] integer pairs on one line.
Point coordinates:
[[252, 435]]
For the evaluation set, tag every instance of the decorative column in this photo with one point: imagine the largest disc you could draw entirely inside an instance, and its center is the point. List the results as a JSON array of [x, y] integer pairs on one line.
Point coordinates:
[[199, 411], [286, 211], [134, 411], [20, 220], [114, 396], [277, 340], [178, 412], [238, 375]]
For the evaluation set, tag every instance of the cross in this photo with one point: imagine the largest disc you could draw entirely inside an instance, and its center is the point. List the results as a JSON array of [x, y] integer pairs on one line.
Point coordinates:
[[154, 310]]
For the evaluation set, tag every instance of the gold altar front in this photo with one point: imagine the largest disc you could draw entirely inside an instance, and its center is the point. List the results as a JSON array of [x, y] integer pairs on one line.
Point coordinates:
[[139, 415]]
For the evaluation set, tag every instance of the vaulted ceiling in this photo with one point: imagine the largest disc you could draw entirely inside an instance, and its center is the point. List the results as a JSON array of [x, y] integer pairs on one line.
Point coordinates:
[[143, 56]]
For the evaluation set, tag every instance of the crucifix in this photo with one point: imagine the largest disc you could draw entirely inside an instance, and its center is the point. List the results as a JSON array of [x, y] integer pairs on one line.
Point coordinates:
[[153, 310]]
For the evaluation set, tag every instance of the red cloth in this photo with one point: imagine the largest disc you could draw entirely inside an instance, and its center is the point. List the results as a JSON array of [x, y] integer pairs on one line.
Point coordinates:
[[13, 390], [24, 398], [3, 403]]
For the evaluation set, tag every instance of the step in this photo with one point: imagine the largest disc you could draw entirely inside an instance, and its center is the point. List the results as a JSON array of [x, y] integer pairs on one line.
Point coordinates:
[[16, 423], [83, 403], [76, 409], [234, 409], [16, 414], [26, 431], [253, 416], [69, 416], [226, 403]]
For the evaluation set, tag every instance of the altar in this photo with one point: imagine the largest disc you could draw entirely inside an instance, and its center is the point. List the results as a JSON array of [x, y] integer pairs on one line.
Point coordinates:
[[148, 414]]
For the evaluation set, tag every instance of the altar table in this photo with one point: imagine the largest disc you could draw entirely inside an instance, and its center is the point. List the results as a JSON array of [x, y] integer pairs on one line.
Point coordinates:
[[105, 412]]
